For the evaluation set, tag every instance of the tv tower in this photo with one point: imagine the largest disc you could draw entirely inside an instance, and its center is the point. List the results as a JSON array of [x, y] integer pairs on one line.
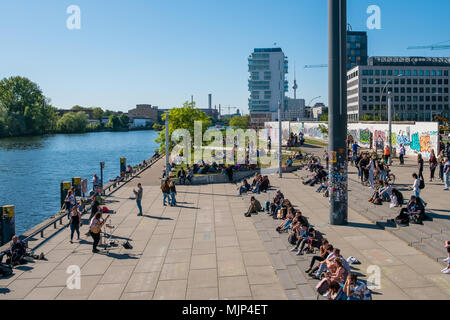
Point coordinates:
[[295, 87]]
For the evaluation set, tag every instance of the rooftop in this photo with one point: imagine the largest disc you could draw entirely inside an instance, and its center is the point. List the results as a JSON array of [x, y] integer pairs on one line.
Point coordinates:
[[410, 61], [257, 50]]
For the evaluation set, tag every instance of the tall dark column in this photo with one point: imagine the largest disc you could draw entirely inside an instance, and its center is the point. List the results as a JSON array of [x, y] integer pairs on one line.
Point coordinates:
[[337, 115]]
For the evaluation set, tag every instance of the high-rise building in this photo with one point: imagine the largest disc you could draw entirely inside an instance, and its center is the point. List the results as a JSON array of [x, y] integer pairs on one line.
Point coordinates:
[[356, 49], [419, 86], [267, 84]]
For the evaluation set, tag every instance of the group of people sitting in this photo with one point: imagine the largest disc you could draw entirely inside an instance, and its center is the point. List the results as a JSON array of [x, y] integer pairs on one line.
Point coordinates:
[[295, 140], [259, 184], [337, 281], [385, 193], [18, 253]]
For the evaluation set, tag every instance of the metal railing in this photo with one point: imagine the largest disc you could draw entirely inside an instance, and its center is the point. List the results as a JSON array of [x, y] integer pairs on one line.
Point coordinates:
[[111, 186]]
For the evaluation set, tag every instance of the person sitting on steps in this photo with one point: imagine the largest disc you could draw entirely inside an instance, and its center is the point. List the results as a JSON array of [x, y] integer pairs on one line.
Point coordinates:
[[255, 207]]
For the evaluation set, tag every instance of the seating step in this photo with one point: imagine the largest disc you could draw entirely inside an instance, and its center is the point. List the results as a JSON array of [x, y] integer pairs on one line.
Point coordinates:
[[435, 225], [430, 251], [436, 244], [406, 235], [424, 231]]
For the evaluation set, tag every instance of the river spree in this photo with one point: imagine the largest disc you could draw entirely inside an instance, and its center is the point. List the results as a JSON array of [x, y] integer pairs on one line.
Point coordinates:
[[32, 168]]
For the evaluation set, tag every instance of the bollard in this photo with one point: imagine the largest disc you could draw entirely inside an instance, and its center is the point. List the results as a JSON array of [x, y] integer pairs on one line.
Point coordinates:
[[76, 182], [123, 165], [8, 224], [65, 186]]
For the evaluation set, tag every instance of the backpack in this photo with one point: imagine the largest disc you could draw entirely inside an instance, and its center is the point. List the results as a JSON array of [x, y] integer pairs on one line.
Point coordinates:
[[322, 287], [5, 270], [292, 239], [422, 184]]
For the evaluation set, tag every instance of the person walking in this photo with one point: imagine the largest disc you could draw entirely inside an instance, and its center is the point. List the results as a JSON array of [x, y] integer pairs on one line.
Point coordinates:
[[387, 154], [75, 223], [441, 161], [173, 192], [420, 166], [402, 154], [138, 195], [371, 168], [166, 191], [447, 174], [433, 164]]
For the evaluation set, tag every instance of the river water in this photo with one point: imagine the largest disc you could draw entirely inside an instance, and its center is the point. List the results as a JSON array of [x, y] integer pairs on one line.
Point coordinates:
[[32, 168]]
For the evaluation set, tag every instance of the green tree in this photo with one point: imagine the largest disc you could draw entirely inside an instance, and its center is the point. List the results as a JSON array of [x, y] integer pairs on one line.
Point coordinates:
[[97, 113], [114, 122], [239, 122], [124, 120], [324, 117], [72, 122], [367, 117], [24, 108], [182, 118]]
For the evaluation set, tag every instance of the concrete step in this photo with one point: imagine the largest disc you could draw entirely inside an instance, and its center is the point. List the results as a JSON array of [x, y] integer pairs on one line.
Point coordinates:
[[424, 231], [436, 244], [406, 235], [431, 251], [435, 226]]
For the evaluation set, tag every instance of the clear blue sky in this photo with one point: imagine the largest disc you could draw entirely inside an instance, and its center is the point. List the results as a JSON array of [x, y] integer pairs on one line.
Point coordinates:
[[161, 52]]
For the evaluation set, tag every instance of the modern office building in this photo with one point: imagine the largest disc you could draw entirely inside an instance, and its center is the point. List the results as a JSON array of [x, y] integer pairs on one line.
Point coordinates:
[[267, 84], [357, 53], [419, 86], [294, 110]]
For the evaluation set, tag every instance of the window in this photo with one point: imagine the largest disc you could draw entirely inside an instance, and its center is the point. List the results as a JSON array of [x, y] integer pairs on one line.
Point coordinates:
[[415, 73], [408, 73]]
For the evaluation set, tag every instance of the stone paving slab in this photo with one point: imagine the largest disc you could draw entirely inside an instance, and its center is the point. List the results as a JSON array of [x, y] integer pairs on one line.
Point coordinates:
[[207, 249]]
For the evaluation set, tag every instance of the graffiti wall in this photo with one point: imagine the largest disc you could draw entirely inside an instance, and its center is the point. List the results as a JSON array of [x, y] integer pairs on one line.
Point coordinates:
[[271, 129], [419, 137]]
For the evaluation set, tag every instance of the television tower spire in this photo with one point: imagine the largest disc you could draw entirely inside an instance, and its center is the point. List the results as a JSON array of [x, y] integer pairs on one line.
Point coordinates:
[[295, 87]]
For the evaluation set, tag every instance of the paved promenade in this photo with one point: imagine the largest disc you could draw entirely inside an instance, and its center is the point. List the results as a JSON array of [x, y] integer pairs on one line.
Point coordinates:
[[206, 249]]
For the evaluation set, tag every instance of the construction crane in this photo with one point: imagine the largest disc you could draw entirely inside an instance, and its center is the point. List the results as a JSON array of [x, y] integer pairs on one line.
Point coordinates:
[[316, 66], [437, 46]]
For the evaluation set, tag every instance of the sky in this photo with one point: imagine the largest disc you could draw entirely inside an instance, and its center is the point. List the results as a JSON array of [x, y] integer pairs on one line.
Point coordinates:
[[162, 52]]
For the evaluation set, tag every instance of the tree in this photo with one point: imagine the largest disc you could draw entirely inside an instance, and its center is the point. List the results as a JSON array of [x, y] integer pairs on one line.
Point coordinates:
[[183, 118], [114, 122], [97, 113], [367, 117], [24, 108], [72, 122], [324, 117], [239, 122], [124, 120]]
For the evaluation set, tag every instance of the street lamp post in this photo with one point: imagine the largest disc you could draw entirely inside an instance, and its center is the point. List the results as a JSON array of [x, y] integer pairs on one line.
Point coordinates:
[[167, 144], [280, 141], [390, 124], [382, 92], [337, 78]]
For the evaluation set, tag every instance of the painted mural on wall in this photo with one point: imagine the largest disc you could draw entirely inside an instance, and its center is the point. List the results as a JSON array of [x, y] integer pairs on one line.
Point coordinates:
[[420, 137]]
